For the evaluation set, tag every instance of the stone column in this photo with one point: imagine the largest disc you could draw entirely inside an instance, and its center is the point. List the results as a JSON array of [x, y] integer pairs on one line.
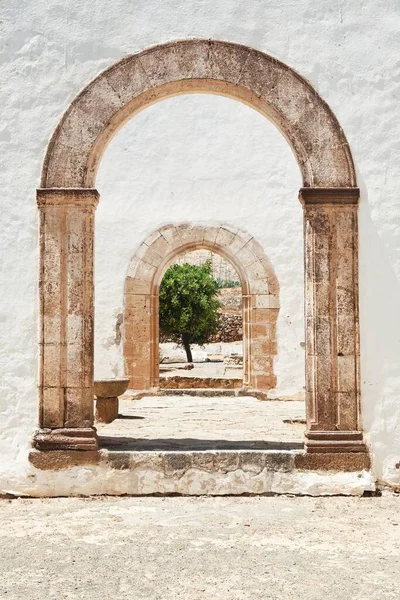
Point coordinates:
[[66, 292], [332, 325]]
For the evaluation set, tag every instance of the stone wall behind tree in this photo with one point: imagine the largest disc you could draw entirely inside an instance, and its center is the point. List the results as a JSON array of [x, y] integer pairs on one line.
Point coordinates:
[[230, 329], [231, 299], [222, 269], [231, 318]]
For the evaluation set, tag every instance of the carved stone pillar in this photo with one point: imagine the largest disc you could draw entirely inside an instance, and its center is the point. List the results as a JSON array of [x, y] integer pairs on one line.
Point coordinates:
[[66, 319], [332, 325]]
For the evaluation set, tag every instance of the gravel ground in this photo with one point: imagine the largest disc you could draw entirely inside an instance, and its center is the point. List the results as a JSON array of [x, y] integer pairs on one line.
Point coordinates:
[[201, 548]]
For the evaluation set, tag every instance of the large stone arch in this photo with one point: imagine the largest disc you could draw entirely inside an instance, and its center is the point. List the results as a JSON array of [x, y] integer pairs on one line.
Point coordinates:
[[67, 201], [195, 66], [141, 298]]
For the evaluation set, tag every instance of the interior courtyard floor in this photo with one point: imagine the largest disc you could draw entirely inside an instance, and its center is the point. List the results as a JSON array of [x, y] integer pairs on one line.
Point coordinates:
[[204, 423], [218, 370]]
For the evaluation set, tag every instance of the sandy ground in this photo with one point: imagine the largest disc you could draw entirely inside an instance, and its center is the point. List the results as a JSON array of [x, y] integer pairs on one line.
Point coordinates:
[[189, 422], [201, 548]]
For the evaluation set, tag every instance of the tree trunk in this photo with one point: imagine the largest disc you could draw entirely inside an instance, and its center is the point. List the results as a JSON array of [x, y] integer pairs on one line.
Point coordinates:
[[186, 345]]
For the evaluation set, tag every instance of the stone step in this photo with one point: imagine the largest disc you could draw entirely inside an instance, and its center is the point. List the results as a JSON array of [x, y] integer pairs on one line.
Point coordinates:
[[204, 473], [202, 392], [182, 382], [229, 472]]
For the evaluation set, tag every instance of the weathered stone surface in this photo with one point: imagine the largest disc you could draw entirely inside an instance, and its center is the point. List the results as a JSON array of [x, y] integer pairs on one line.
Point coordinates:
[[204, 461], [338, 461], [109, 388], [106, 409], [56, 460], [118, 460], [280, 461], [176, 463], [332, 366], [204, 65], [252, 461], [142, 460], [179, 382], [74, 438], [213, 473], [66, 309], [226, 461]]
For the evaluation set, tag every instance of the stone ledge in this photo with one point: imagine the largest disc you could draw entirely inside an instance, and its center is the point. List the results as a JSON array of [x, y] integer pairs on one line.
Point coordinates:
[[200, 473], [335, 461], [171, 462], [205, 393], [182, 382], [322, 195], [67, 197], [211, 461], [57, 460]]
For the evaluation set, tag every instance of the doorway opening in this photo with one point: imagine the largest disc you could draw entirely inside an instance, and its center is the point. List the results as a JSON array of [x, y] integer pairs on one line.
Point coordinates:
[[201, 294]]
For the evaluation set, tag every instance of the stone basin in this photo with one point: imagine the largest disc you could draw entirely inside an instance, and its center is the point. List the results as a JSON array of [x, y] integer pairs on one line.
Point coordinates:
[[110, 388], [107, 392]]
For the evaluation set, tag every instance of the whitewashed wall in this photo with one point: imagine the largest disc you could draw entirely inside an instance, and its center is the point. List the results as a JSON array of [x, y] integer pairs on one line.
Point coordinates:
[[206, 159]]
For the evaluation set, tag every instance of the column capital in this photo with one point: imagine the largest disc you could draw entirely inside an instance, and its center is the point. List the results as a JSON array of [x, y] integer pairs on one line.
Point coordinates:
[[67, 197], [329, 196]]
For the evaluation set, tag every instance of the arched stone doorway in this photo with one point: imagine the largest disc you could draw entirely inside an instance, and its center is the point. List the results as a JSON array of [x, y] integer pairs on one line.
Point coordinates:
[[67, 201], [260, 300]]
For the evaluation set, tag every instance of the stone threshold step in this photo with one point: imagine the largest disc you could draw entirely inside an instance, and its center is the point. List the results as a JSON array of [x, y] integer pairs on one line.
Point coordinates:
[[168, 382], [209, 393], [211, 472], [200, 392]]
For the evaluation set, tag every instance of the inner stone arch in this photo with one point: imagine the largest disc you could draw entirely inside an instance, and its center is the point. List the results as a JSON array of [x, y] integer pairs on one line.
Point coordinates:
[[141, 300]]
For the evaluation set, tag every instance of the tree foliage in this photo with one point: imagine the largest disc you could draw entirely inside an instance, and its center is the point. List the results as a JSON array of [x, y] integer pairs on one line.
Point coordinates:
[[227, 283], [189, 304]]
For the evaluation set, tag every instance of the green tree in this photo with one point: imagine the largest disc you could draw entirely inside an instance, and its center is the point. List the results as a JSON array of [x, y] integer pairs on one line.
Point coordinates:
[[189, 305]]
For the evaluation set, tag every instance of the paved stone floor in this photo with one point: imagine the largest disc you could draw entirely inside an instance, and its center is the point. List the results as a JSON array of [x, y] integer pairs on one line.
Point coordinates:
[[174, 362], [248, 548], [198, 423], [219, 370]]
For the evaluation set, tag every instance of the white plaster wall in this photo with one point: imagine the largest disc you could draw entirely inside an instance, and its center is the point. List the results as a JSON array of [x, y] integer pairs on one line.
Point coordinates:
[[207, 160], [348, 50]]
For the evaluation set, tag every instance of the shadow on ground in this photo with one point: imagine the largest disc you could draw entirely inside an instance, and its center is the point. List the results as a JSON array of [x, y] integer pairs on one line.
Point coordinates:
[[189, 444]]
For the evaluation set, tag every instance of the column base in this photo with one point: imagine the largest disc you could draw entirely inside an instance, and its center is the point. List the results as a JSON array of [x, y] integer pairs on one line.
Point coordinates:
[[79, 438], [334, 441]]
